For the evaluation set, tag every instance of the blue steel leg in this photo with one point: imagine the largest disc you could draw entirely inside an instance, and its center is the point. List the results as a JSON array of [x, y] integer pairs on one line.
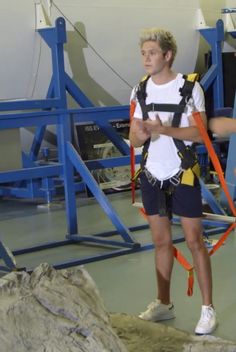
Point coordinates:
[[210, 199], [48, 188], [113, 135], [97, 192], [215, 37], [231, 165], [37, 141], [64, 135], [77, 93], [4, 255]]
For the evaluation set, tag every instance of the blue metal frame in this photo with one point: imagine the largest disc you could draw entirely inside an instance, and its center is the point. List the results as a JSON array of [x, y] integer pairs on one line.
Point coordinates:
[[231, 164], [7, 259], [214, 76], [69, 159], [230, 10]]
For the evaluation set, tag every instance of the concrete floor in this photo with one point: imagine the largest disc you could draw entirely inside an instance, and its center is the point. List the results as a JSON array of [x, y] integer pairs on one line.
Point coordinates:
[[126, 283]]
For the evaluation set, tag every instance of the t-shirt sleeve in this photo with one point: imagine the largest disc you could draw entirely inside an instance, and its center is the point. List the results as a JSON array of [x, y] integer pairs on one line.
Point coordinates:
[[197, 102], [138, 112]]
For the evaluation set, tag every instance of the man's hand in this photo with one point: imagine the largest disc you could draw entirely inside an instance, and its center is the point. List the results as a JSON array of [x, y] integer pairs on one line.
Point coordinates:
[[138, 133], [153, 126]]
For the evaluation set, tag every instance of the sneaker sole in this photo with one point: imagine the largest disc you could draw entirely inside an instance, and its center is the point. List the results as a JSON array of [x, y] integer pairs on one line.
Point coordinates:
[[206, 333], [157, 320]]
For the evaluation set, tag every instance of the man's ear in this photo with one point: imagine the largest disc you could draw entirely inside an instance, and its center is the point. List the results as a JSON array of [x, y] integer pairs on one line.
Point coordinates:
[[168, 55]]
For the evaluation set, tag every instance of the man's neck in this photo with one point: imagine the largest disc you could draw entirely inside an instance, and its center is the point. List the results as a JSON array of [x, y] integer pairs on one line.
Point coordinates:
[[164, 77]]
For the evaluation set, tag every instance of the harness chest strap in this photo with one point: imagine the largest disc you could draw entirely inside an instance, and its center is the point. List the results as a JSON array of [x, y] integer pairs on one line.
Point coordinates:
[[189, 161]]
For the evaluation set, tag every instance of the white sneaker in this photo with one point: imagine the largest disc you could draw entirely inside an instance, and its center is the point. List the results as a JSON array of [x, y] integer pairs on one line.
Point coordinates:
[[207, 322], [156, 311]]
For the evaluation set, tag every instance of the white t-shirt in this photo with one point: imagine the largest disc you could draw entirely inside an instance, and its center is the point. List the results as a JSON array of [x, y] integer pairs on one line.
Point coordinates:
[[163, 161]]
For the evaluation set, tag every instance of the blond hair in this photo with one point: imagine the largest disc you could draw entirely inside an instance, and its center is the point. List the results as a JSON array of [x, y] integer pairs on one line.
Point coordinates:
[[164, 38]]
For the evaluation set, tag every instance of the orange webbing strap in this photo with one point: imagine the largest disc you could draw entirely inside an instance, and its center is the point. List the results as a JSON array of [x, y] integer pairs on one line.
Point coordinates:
[[182, 260], [132, 154], [222, 239], [214, 159], [218, 169]]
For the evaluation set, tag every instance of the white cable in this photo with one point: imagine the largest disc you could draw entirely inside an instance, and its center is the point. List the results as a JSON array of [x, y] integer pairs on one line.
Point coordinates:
[[91, 47]]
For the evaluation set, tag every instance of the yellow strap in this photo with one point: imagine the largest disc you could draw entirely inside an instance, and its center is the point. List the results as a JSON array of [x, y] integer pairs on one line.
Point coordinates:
[[193, 77], [189, 175]]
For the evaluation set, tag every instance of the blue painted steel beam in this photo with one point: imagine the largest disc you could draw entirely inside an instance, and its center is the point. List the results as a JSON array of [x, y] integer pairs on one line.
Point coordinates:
[[36, 144], [228, 10], [114, 136], [96, 239], [64, 137], [215, 37], [98, 257], [55, 37], [110, 162], [60, 82], [230, 165], [98, 193], [95, 114], [21, 192], [211, 200], [27, 174], [101, 256], [42, 247], [77, 93], [233, 34], [29, 104], [85, 115], [209, 77], [4, 255]]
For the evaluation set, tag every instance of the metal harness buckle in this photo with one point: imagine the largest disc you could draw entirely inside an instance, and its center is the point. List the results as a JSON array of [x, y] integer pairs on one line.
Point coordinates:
[[175, 180], [151, 179]]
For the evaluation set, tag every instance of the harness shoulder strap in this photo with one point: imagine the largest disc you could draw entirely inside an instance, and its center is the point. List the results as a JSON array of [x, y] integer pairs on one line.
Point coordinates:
[[141, 96], [186, 93], [186, 154]]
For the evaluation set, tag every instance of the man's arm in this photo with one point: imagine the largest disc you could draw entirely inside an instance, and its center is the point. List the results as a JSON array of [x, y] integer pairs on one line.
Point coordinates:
[[190, 133], [222, 126]]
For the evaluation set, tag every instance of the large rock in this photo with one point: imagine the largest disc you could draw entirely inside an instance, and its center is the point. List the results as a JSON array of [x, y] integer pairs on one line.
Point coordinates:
[[62, 311], [142, 336], [54, 311]]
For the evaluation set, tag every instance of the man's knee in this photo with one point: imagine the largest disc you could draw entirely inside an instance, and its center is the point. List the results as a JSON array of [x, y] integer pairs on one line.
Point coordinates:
[[160, 242], [195, 244]]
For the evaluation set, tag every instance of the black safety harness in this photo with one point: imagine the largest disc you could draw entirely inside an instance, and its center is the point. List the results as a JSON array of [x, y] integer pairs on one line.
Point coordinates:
[[187, 154]]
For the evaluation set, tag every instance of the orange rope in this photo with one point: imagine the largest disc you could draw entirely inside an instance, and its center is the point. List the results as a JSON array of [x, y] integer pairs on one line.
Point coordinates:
[[182, 260], [214, 158], [218, 169], [215, 161]]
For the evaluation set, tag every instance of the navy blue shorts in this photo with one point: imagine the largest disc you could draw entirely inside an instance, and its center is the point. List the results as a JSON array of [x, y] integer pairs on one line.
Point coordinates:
[[186, 200]]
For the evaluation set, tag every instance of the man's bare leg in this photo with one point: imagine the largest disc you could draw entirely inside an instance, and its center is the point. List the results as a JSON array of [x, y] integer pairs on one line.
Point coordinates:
[[193, 234], [161, 234]]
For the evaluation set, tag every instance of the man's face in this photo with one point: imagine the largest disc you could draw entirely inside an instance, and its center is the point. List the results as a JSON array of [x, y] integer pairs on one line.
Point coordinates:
[[153, 58]]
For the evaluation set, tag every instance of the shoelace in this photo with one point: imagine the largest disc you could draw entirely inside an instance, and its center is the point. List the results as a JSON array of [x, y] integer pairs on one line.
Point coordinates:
[[152, 305], [207, 314]]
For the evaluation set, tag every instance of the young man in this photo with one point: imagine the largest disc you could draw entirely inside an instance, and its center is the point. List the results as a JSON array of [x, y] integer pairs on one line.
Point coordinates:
[[163, 168]]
